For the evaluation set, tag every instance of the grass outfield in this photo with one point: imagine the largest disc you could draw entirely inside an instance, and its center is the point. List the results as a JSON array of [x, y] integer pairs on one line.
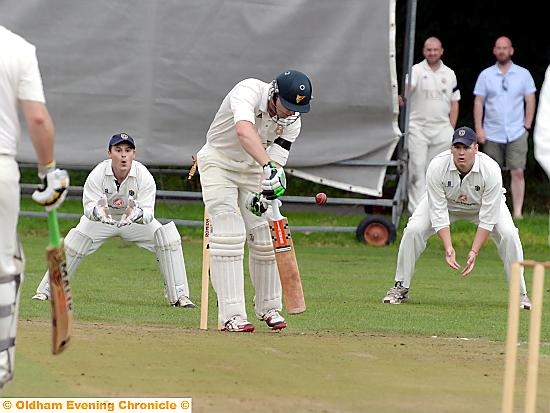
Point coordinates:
[[441, 352]]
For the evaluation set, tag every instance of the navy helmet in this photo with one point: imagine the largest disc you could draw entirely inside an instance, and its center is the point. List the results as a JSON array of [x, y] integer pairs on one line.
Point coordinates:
[[294, 89]]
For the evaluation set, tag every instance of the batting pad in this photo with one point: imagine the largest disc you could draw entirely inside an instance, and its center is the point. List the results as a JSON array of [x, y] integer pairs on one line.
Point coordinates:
[[170, 257], [226, 264], [263, 271], [10, 295], [77, 245]]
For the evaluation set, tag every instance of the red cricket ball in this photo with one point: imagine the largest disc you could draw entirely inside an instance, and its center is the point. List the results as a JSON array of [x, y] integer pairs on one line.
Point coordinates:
[[321, 198]]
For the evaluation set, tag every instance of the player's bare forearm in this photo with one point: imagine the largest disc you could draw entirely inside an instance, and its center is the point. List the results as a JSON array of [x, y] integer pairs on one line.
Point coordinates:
[[482, 235], [445, 235], [41, 129], [251, 142], [480, 238], [453, 115]]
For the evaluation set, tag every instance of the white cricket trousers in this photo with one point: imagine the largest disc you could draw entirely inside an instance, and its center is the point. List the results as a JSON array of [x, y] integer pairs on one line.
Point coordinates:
[[11, 274], [9, 213], [419, 229], [225, 186]]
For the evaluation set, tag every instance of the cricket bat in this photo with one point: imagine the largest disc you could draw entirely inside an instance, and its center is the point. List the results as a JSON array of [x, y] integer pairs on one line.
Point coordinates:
[[61, 299], [205, 272], [293, 293]]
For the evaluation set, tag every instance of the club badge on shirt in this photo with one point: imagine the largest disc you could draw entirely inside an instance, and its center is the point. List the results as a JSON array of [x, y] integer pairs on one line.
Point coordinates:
[[117, 203]]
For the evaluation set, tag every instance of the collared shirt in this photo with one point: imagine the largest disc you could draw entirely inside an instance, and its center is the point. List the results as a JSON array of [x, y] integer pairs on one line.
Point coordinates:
[[248, 101], [479, 192], [504, 96], [139, 184], [432, 94], [19, 79]]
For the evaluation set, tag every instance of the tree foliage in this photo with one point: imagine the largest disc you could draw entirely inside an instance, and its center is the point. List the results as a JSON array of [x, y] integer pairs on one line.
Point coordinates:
[[468, 31]]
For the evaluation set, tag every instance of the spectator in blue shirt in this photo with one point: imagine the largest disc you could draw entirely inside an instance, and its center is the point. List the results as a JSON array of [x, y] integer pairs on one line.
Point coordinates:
[[504, 108]]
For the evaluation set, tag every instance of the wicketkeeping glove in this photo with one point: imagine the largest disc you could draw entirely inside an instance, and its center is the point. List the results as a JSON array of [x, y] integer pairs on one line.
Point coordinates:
[[133, 214], [274, 183], [102, 213], [256, 203], [52, 191]]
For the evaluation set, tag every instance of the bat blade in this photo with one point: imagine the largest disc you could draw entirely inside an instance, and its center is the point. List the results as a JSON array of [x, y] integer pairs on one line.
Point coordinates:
[[289, 273], [61, 298], [205, 272]]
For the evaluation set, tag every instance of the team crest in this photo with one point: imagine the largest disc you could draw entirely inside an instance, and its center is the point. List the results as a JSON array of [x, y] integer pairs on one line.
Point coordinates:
[[461, 132], [118, 203]]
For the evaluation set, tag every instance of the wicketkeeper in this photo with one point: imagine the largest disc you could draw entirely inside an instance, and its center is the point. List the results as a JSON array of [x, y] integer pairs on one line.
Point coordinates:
[[247, 145], [20, 87], [119, 200], [462, 183]]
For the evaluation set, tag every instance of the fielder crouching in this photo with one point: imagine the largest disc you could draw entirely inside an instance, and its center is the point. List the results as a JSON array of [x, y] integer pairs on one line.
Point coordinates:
[[119, 200], [462, 184]]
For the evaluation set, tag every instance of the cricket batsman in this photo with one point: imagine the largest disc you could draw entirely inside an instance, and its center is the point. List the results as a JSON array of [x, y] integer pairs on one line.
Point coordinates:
[[247, 145], [119, 200]]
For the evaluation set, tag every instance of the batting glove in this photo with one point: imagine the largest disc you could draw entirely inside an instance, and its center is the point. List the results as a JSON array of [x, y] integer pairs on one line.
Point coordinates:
[[52, 191], [256, 203], [274, 183], [133, 214], [102, 213]]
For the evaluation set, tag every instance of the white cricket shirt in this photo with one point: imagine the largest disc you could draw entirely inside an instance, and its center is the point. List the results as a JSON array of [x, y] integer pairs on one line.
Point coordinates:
[[19, 79], [139, 184], [432, 94], [248, 101], [479, 192]]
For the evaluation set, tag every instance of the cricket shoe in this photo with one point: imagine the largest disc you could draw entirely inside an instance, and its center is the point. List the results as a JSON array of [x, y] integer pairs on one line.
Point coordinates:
[[524, 302], [184, 302], [237, 324], [274, 320], [5, 378], [40, 296], [397, 294]]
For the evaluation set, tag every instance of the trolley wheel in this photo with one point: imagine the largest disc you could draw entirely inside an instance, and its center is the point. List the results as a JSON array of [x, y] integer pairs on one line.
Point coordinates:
[[376, 230]]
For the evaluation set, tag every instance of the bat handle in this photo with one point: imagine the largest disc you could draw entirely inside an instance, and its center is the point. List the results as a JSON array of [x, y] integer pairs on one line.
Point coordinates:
[[193, 168], [276, 204], [53, 228]]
